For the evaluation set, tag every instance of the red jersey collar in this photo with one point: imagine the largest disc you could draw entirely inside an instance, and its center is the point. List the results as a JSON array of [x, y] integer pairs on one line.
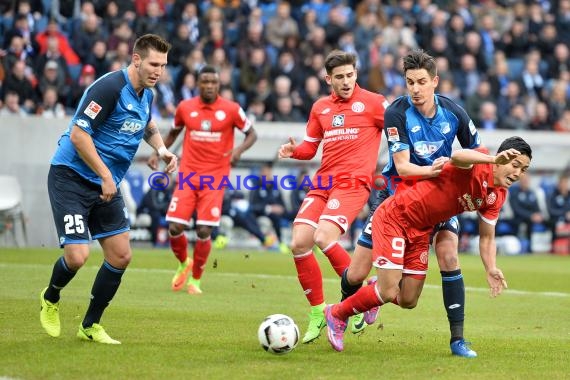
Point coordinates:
[[335, 98], [208, 105]]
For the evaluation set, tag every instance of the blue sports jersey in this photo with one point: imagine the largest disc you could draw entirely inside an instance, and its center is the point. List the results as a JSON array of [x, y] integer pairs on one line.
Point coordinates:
[[426, 139], [115, 116]]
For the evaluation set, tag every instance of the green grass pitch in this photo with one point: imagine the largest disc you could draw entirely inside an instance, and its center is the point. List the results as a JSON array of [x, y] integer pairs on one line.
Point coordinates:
[[523, 334]]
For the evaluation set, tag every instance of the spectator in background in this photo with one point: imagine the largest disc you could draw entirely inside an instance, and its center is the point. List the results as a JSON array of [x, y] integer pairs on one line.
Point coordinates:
[[473, 103], [165, 98], [155, 204], [266, 200], [52, 30], [122, 32], [98, 58], [22, 29], [86, 77], [286, 112], [488, 119], [53, 54], [559, 205], [151, 20], [499, 77], [181, 45], [53, 78], [526, 210], [516, 119], [85, 35], [12, 106], [188, 89], [559, 62], [510, 98], [563, 124], [16, 81], [50, 107], [255, 69], [532, 82], [17, 52], [256, 111], [540, 120], [311, 92], [281, 25]]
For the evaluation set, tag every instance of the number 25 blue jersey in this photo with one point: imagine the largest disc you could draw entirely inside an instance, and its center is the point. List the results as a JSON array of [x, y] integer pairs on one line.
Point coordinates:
[[115, 116], [426, 139]]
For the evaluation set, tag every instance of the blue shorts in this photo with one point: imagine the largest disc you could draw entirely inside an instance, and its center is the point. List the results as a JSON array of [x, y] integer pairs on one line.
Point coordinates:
[[79, 212], [365, 238]]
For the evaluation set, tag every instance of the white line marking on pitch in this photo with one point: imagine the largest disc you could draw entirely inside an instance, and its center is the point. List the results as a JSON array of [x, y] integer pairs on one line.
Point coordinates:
[[286, 277]]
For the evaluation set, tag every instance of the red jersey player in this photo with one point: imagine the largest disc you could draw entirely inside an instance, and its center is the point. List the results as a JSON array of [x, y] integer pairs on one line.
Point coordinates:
[[349, 123], [401, 228], [207, 154]]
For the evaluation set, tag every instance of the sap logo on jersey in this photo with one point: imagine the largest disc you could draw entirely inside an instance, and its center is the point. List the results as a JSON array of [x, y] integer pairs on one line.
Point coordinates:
[[427, 148], [132, 126]]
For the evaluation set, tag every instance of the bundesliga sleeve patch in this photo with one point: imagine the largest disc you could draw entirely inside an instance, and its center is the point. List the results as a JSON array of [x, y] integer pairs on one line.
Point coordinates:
[[93, 110], [393, 134]]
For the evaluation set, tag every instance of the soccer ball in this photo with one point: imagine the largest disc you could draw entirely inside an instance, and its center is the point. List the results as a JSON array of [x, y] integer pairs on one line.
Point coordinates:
[[278, 334]]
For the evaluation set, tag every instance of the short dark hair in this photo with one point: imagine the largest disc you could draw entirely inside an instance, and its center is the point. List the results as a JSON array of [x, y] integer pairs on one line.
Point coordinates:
[[418, 59], [150, 42], [208, 69], [338, 58], [517, 143]]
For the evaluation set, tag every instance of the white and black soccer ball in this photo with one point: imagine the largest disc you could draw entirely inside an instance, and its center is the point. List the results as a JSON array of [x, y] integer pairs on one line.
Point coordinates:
[[278, 334]]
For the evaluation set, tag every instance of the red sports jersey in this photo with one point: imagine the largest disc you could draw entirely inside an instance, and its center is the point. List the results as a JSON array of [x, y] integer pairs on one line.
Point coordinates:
[[209, 134], [350, 130], [454, 191]]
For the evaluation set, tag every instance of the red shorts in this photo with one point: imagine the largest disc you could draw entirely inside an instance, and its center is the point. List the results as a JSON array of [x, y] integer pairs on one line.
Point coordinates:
[[340, 206], [206, 202], [392, 249]]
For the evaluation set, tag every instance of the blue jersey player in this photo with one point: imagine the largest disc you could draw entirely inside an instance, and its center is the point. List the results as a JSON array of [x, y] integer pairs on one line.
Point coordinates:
[[420, 129], [93, 155]]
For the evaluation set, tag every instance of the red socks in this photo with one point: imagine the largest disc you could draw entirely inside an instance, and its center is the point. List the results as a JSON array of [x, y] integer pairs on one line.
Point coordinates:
[[179, 246], [310, 277], [363, 300], [202, 250], [338, 257]]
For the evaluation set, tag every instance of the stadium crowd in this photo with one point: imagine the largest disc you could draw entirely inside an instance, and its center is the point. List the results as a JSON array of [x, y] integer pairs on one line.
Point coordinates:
[[507, 62]]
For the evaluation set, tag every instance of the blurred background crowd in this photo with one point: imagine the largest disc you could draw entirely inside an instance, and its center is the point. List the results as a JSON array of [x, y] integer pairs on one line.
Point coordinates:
[[507, 62]]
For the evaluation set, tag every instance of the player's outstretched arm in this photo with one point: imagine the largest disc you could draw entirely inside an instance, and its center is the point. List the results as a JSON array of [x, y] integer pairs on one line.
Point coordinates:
[[488, 252], [465, 158]]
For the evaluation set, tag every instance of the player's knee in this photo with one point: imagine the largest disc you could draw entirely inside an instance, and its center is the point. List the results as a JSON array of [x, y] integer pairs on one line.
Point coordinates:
[[447, 260], [175, 229], [408, 303], [388, 293], [322, 239], [120, 259], [298, 246], [203, 232], [356, 275], [76, 255]]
